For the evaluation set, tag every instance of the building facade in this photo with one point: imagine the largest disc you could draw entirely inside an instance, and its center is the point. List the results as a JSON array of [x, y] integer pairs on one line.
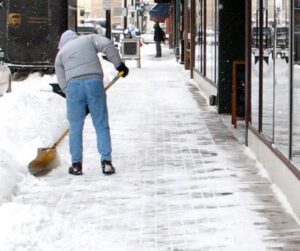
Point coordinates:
[[95, 10], [246, 56]]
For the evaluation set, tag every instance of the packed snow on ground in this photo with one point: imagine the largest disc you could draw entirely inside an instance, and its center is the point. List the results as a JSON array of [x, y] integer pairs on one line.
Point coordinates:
[[140, 208], [31, 117]]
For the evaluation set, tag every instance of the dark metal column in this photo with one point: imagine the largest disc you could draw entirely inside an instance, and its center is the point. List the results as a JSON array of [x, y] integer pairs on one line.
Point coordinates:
[[248, 68], [125, 17], [108, 24], [231, 47], [193, 28], [260, 69]]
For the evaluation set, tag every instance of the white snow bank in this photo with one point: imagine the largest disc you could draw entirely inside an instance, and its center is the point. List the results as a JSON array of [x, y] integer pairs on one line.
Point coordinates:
[[4, 78], [32, 116]]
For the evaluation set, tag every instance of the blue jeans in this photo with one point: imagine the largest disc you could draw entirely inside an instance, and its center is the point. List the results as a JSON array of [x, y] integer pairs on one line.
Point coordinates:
[[83, 93]]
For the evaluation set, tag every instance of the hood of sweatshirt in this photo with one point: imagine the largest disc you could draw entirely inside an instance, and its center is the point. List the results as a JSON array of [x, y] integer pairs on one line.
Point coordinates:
[[66, 37]]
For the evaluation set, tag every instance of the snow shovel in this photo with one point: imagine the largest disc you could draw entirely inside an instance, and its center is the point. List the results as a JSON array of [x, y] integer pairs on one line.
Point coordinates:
[[46, 158]]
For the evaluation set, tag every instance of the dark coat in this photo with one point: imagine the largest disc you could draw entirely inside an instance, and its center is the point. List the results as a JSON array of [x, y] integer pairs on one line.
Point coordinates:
[[159, 34]]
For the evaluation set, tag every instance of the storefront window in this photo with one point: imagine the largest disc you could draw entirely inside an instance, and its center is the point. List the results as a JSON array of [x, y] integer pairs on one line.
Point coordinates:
[[216, 40], [254, 63], [199, 43], [296, 85], [206, 50], [198, 37], [268, 69], [210, 40], [282, 76]]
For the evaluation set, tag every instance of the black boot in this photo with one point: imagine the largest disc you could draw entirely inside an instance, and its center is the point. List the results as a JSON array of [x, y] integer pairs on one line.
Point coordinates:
[[107, 167], [76, 168]]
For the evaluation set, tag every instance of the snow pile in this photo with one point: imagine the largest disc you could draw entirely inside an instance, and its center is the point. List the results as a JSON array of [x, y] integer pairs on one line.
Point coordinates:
[[32, 116], [4, 78]]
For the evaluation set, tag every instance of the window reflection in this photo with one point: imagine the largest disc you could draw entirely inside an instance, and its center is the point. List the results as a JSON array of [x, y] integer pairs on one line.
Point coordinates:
[[296, 85], [268, 68], [199, 48], [282, 79], [210, 40], [254, 63], [198, 37], [206, 50], [274, 43]]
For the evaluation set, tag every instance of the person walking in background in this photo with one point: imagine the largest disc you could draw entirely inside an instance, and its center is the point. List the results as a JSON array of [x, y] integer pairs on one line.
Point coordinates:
[[159, 36], [80, 76]]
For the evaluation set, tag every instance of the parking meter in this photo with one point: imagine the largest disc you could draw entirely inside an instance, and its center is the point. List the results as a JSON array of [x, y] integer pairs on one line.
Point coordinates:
[[5, 75], [1, 55]]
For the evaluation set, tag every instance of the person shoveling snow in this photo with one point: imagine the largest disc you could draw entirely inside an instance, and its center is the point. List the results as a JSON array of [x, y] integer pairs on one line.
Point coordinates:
[[80, 76]]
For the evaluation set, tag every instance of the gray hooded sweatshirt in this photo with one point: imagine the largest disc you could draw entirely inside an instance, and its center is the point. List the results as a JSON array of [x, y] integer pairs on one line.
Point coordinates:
[[77, 56]]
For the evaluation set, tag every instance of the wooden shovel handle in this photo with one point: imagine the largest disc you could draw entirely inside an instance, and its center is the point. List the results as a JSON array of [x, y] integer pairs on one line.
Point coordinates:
[[120, 74], [60, 138]]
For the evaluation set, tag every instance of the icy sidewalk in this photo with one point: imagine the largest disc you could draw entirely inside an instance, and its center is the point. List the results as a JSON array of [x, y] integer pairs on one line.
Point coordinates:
[[183, 181]]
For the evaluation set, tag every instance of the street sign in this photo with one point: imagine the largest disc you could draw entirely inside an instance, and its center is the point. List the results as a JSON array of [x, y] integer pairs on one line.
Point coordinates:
[[130, 50], [106, 4], [120, 12], [124, 12], [131, 8], [117, 12]]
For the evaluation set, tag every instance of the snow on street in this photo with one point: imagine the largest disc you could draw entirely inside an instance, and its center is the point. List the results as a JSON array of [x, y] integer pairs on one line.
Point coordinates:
[[183, 181]]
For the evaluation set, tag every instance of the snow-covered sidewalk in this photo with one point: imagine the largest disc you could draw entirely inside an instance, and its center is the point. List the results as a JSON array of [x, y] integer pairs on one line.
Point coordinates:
[[183, 181]]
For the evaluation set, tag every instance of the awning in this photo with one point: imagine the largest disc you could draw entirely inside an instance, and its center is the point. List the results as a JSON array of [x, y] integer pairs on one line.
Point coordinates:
[[159, 12]]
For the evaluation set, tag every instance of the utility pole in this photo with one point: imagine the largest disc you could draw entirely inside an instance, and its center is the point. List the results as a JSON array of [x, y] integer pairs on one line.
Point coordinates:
[[132, 13], [138, 11], [107, 7], [125, 17], [108, 24]]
